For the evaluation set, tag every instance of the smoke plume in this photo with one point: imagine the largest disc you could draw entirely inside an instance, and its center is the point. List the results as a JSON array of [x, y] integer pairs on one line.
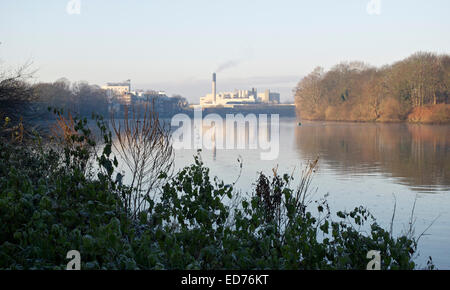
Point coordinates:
[[228, 64]]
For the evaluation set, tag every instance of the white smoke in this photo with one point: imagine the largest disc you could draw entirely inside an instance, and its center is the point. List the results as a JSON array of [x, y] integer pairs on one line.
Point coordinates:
[[228, 64]]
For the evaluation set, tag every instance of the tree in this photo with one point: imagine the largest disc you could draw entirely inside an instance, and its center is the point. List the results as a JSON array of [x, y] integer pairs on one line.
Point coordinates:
[[15, 92], [309, 94], [144, 145]]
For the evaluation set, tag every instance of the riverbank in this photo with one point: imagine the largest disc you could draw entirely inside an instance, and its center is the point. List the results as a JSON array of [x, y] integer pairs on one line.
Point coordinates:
[[429, 114]]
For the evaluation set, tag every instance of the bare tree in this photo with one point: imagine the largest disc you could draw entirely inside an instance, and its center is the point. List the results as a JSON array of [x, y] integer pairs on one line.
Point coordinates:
[[144, 144], [16, 100], [15, 90], [309, 93]]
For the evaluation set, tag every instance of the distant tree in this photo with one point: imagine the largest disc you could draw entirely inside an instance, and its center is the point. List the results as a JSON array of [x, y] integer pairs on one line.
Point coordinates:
[[89, 98], [80, 98], [309, 94], [57, 94]]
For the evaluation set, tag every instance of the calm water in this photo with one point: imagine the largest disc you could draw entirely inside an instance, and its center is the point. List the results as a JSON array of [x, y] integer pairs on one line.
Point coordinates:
[[361, 164]]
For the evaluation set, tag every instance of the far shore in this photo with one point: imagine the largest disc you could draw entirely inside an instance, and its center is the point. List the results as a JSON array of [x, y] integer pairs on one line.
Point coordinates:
[[430, 115]]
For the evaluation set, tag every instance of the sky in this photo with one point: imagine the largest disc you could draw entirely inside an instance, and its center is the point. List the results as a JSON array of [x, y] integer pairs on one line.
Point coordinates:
[[175, 45]]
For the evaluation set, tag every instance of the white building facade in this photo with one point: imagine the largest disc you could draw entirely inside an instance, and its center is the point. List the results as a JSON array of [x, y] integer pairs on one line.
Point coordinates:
[[120, 91]]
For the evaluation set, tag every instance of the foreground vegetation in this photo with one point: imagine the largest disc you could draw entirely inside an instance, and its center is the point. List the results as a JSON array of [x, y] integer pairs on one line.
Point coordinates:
[[61, 194], [416, 89]]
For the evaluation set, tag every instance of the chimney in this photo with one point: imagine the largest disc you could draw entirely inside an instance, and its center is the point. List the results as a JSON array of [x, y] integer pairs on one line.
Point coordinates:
[[214, 87]]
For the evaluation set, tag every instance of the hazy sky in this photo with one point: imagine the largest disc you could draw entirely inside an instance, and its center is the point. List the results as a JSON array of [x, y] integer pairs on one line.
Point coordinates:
[[176, 45]]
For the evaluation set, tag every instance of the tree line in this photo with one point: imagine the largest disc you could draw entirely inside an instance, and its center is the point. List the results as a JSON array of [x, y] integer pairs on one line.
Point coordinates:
[[20, 99], [413, 89]]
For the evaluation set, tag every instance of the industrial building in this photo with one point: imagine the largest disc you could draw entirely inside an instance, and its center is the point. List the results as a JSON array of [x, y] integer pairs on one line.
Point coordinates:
[[119, 91], [269, 97], [237, 97], [118, 88]]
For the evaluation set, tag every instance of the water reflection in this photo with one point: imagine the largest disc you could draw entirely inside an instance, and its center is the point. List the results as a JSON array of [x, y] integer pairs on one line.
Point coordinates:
[[415, 155]]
